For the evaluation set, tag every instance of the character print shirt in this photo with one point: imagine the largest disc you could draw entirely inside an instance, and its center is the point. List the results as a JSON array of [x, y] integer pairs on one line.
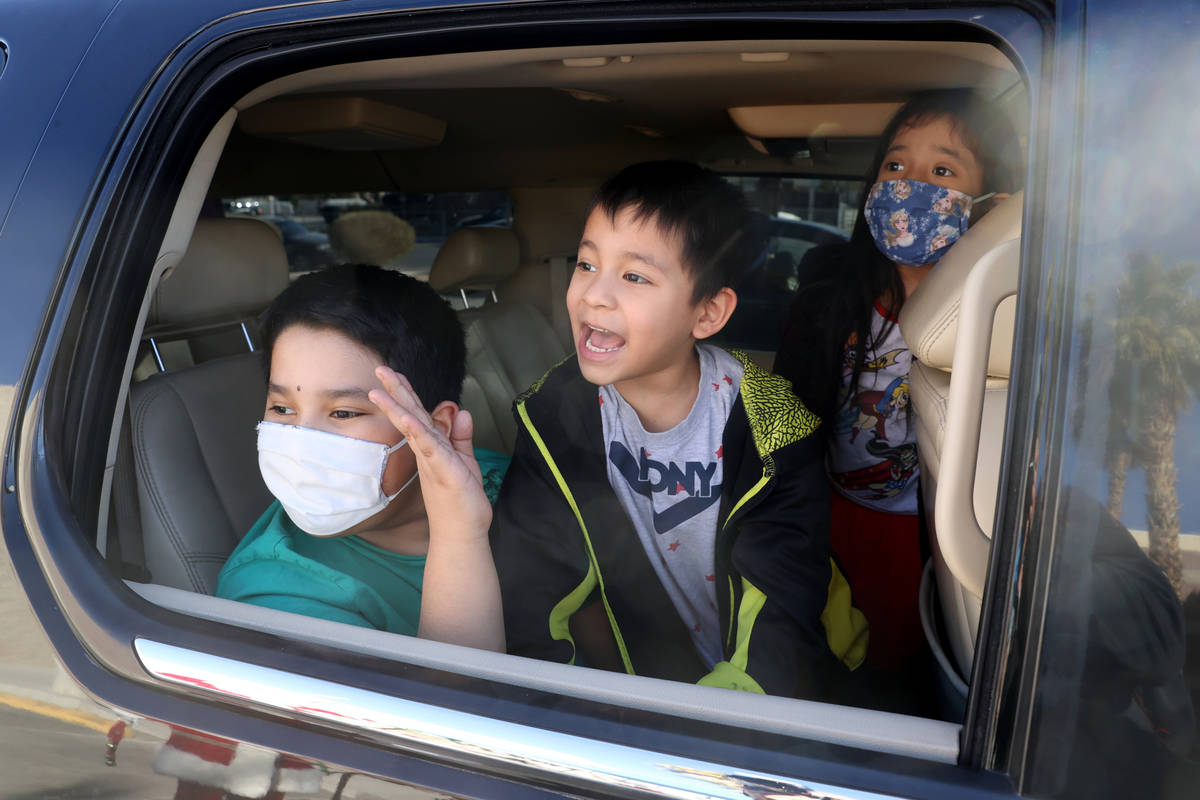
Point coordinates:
[[669, 484], [873, 451]]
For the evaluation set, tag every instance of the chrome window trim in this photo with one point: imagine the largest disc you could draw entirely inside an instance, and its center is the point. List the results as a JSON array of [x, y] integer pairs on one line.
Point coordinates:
[[561, 759], [859, 728]]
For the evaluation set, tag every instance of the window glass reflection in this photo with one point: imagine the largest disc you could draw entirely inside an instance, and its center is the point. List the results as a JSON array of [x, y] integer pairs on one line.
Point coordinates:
[[1119, 673]]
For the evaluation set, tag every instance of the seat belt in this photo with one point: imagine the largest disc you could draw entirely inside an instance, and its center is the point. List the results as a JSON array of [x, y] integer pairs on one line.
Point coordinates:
[[560, 277], [125, 554]]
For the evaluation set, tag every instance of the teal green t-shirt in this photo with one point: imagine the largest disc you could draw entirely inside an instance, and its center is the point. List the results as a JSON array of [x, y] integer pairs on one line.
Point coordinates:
[[493, 465], [339, 578]]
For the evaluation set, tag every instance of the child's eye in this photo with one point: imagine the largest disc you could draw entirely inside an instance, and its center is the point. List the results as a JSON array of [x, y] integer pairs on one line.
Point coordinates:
[[275, 408], [584, 266], [633, 277], [943, 172], [343, 413], [893, 166]]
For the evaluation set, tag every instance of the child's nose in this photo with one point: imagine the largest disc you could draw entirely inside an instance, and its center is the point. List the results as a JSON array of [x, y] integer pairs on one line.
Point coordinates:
[[598, 291], [314, 421]]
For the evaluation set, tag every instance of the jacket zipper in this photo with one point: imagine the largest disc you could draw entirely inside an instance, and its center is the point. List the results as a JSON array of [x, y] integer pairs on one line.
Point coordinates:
[[746, 504]]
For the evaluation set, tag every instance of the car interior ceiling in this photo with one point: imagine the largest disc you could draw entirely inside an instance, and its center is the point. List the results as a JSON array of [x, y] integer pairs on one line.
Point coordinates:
[[547, 125], [524, 118]]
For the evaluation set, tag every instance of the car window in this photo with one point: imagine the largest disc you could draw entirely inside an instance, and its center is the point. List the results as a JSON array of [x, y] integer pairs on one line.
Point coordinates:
[[404, 230], [319, 230], [1119, 679], [797, 214], [793, 215]]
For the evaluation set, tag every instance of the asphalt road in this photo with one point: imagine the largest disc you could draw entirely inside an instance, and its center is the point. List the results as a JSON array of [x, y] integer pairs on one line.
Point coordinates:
[[31, 742]]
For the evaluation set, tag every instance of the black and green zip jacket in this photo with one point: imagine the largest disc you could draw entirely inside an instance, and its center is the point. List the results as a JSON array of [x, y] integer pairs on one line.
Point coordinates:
[[564, 545]]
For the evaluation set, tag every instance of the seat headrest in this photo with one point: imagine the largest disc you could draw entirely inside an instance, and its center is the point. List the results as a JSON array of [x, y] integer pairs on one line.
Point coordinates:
[[929, 319], [233, 268], [475, 258], [371, 236]]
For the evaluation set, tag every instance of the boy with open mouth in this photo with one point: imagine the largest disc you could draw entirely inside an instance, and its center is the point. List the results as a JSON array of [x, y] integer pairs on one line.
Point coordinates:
[[666, 498]]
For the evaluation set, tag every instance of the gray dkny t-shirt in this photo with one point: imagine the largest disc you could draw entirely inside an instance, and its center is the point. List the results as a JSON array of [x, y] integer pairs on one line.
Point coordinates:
[[669, 484]]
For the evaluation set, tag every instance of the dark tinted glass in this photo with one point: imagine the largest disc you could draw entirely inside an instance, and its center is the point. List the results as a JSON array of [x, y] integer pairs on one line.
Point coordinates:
[[1120, 667], [314, 238], [797, 215]]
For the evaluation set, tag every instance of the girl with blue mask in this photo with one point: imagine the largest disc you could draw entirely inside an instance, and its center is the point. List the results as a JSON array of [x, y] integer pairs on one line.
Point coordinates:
[[924, 192], [941, 162]]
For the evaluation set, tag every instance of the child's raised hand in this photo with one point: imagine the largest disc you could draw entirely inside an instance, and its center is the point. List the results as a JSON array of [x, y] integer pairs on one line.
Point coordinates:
[[451, 482], [460, 595]]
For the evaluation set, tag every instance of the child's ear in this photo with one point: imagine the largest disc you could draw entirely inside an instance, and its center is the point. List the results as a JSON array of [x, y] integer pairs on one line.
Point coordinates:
[[714, 313], [443, 415]]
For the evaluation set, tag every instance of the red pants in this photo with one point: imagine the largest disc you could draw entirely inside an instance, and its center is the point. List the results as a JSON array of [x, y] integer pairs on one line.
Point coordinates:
[[880, 554]]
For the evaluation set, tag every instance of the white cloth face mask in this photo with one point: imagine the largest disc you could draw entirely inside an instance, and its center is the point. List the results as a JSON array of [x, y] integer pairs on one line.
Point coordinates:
[[325, 482]]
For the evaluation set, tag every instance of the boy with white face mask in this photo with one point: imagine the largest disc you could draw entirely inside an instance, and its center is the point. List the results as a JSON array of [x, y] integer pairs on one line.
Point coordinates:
[[380, 517]]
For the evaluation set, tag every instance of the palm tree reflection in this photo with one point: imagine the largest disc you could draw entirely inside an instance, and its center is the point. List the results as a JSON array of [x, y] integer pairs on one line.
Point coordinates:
[[1156, 371]]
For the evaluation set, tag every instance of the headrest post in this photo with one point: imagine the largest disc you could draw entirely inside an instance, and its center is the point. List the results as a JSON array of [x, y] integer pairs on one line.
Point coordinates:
[[157, 355], [494, 298], [466, 303], [246, 334]]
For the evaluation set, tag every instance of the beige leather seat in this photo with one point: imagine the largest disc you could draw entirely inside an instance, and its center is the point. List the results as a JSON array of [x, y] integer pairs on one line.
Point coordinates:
[[206, 306], [959, 326], [192, 429], [543, 285], [509, 344]]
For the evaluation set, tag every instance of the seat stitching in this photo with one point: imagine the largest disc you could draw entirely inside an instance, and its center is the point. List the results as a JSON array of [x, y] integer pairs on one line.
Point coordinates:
[[941, 326]]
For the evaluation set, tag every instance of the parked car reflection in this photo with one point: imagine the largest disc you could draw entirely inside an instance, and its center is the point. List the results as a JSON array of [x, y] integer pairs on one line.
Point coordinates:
[[306, 249]]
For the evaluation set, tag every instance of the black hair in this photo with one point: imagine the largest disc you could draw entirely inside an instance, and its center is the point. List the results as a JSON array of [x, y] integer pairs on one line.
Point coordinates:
[[709, 214], [399, 318], [840, 284]]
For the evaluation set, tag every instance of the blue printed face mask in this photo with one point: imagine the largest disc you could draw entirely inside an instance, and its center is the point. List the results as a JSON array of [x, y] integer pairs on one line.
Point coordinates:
[[915, 222]]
